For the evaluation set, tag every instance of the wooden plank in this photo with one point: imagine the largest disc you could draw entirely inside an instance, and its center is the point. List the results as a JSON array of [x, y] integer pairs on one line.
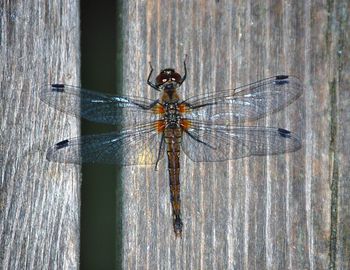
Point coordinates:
[[253, 213], [39, 213], [338, 52]]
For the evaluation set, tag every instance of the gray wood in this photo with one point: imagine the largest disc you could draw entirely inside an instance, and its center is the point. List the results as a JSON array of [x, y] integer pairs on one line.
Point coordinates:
[[260, 212], [39, 207], [338, 52]]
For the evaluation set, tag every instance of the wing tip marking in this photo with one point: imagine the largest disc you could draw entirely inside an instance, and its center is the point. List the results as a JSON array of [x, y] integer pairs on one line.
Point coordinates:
[[57, 87]]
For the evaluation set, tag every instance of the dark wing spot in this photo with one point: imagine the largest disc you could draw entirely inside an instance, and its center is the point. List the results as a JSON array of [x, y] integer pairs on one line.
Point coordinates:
[[57, 87], [284, 133], [61, 144], [282, 77], [281, 81]]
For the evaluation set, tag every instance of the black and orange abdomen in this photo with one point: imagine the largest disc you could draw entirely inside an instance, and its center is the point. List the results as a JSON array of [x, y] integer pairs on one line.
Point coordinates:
[[173, 141]]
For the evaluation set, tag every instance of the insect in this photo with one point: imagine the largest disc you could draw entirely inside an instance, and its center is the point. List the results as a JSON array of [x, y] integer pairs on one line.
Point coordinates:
[[206, 127]]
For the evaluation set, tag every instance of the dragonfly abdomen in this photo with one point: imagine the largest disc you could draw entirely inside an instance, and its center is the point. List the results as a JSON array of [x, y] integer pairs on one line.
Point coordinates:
[[173, 141]]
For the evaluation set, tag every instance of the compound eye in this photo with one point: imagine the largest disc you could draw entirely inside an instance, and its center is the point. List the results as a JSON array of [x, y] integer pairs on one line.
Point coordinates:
[[167, 75], [176, 77], [162, 78]]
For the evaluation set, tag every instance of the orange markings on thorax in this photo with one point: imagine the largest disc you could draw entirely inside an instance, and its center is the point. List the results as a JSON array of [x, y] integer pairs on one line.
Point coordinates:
[[159, 109], [183, 108], [160, 126], [185, 124]]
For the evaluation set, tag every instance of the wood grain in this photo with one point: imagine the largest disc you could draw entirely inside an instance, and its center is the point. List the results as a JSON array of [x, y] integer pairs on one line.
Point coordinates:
[[283, 212], [260, 212], [39, 205]]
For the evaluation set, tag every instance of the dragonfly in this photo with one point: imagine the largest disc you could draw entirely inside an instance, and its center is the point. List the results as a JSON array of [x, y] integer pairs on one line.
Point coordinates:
[[210, 127]]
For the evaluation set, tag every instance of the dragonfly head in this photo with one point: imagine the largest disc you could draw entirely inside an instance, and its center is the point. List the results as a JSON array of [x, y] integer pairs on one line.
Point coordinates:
[[168, 78]]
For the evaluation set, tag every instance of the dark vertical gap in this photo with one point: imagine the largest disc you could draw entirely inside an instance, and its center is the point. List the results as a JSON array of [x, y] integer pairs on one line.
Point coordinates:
[[100, 191]]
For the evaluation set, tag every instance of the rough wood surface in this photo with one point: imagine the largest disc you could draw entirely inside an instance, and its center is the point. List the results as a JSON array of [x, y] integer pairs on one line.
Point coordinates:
[[260, 212], [39, 201]]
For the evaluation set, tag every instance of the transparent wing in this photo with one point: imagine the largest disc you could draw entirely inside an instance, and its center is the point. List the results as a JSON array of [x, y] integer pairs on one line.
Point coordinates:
[[206, 142], [93, 106], [245, 103], [141, 145]]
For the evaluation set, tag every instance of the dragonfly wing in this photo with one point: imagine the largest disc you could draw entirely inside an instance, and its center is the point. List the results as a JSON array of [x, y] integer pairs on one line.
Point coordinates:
[[135, 146], [246, 103], [206, 142], [97, 107]]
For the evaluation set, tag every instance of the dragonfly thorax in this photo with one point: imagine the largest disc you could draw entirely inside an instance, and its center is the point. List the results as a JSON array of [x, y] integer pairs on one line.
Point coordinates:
[[172, 115]]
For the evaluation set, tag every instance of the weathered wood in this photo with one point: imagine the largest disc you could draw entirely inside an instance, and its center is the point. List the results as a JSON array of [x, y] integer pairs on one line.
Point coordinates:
[[39, 208], [339, 152], [253, 213]]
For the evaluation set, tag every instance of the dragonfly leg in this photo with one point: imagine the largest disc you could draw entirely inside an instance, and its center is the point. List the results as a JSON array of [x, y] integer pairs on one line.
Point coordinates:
[[160, 152], [198, 140], [185, 68], [149, 78]]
